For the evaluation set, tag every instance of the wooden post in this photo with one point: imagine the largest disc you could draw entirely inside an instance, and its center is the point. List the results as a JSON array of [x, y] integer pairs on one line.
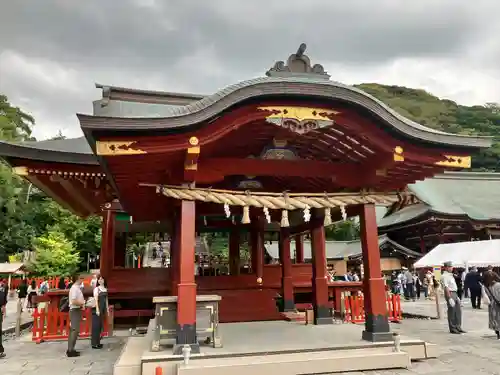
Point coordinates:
[[234, 252], [19, 313], [107, 243], [186, 288], [319, 278], [286, 270], [376, 316], [438, 302], [111, 321], [299, 249], [422, 243]]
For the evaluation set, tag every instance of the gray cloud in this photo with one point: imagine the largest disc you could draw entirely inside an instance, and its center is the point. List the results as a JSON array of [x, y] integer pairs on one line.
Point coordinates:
[[199, 46]]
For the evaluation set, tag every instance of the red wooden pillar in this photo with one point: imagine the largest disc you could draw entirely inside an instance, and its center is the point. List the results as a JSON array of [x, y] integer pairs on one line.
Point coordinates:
[[257, 249], [234, 252], [186, 287], [106, 258], [299, 248], [376, 319], [286, 270], [321, 308]]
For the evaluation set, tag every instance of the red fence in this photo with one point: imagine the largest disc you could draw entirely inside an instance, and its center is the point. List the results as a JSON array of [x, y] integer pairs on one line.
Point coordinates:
[[53, 281], [355, 308], [51, 324]]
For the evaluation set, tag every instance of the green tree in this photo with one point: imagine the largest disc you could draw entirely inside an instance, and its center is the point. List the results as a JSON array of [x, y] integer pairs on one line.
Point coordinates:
[[15, 125], [24, 218], [343, 231], [55, 255]]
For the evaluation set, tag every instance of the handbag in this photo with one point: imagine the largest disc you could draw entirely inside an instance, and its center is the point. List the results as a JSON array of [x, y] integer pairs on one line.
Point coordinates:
[[91, 302], [484, 296]]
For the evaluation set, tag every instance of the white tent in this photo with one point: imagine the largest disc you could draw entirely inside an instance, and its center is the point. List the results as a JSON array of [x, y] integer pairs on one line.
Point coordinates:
[[462, 254]]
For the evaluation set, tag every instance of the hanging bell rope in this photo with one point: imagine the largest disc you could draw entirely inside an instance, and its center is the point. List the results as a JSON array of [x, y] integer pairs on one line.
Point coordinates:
[[277, 201]]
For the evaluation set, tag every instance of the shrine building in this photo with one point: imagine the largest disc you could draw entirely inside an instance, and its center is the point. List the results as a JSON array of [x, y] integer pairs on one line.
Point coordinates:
[[288, 152], [447, 208]]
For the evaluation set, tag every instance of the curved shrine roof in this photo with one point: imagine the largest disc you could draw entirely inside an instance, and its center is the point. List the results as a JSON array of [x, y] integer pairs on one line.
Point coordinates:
[[175, 117]]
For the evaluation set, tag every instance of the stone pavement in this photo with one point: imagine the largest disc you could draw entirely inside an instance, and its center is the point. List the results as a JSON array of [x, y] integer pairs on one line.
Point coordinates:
[[428, 308], [476, 352], [25, 357]]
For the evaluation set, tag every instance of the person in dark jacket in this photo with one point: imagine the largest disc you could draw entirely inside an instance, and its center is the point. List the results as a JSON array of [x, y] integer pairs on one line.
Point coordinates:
[[22, 293], [62, 283], [4, 291], [473, 282]]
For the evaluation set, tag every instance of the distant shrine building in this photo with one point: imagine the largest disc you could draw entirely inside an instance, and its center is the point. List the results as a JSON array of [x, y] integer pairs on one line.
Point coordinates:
[[447, 208], [287, 154]]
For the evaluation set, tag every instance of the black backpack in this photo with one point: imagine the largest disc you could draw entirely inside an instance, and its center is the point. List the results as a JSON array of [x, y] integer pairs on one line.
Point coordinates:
[[64, 304]]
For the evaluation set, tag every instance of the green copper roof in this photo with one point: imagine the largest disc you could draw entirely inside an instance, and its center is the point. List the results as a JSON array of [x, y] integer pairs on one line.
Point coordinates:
[[475, 195]]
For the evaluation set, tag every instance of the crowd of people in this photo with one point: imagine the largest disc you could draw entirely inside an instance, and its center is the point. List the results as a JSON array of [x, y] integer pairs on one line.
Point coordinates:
[[483, 286], [413, 284]]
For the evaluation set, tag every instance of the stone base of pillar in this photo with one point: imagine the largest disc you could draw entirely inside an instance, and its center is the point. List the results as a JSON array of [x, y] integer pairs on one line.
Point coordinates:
[[322, 315], [186, 335], [377, 329]]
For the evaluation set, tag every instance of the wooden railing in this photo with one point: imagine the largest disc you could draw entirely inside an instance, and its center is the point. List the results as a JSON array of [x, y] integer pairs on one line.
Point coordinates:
[[354, 311], [51, 325], [53, 282]]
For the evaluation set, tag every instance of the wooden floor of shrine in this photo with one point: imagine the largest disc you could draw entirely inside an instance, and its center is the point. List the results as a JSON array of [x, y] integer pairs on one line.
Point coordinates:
[[276, 347], [242, 300]]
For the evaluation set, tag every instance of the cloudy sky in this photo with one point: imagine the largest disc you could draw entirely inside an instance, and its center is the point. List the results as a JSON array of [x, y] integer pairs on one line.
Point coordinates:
[[53, 51]]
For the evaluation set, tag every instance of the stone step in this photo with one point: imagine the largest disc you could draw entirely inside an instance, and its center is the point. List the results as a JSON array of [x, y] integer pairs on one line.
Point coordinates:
[[299, 363]]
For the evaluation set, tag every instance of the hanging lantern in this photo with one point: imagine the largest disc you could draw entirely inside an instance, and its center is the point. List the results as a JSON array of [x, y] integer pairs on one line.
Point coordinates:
[[245, 219], [328, 216], [284, 219], [343, 212], [227, 210]]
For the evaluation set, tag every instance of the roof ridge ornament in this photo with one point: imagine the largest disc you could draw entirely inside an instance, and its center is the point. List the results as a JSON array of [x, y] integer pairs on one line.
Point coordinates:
[[298, 64]]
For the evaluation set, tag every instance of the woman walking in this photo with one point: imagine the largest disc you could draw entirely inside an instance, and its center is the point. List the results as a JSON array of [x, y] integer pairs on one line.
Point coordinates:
[[32, 293], [99, 312], [492, 289]]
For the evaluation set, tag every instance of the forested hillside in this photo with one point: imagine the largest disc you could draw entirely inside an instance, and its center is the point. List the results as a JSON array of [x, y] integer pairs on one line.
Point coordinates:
[[445, 115]]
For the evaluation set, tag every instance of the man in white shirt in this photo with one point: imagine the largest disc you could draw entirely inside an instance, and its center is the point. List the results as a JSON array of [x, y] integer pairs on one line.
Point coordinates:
[[452, 301], [76, 304]]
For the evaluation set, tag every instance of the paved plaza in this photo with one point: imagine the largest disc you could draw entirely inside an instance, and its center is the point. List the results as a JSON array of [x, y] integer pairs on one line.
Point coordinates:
[[24, 357], [476, 352]]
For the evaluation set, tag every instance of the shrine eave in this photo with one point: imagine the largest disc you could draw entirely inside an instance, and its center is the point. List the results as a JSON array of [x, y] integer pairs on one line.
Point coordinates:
[[185, 117], [340, 250], [69, 151]]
